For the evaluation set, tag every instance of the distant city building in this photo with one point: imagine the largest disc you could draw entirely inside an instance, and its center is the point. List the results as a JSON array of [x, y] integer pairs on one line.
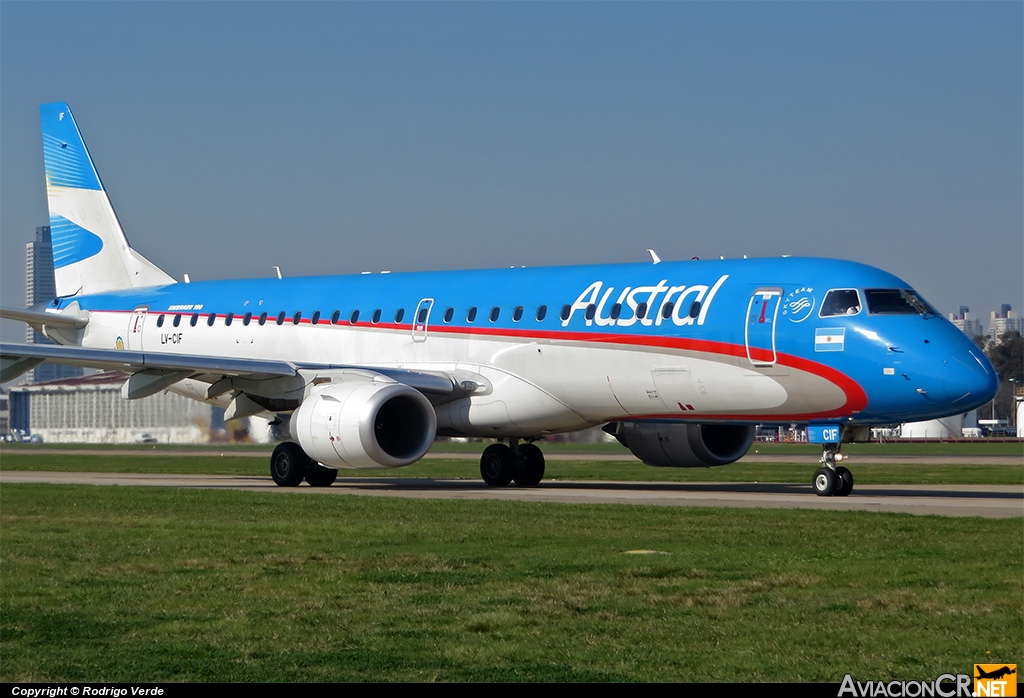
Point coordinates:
[[965, 323], [1006, 320], [5, 412], [40, 287]]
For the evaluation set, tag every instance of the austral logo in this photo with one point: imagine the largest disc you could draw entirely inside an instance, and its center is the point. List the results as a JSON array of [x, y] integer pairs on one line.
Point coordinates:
[[689, 304], [995, 680]]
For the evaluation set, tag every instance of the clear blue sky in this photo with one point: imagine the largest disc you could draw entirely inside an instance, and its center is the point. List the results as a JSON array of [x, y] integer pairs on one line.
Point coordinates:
[[340, 137]]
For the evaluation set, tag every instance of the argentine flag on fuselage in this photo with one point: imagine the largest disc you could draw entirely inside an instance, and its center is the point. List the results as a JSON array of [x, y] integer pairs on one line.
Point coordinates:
[[829, 338]]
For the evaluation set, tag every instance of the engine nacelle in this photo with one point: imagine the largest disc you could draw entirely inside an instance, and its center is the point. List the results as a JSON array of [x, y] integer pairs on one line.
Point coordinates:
[[367, 424], [684, 445]]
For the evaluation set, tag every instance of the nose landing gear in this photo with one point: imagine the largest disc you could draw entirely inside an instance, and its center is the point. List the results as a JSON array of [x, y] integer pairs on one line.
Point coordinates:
[[831, 480]]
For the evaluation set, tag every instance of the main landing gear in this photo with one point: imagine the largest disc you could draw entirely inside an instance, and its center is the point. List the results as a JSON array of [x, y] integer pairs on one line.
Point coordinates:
[[290, 465], [831, 480], [501, 464]]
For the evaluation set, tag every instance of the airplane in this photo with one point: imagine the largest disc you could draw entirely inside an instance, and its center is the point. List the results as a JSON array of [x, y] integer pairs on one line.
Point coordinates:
[[678, 360]]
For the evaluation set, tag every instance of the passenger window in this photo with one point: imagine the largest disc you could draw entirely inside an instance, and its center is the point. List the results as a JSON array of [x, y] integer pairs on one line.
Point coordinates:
[[316, 317], [211, 319], [228, 319], [194, 320], [160, 321], [354, 318], [423, 316], [616, 311], [495, 311], [247, 319], [542, 312], [566, 312], [471, 314], [694, 309], [517, 314], [335, 316], [376, 316], [280, 318], [666, 310], [297, 317], [263, 318], [449, 313], [844, 301], [399, 315], [177, 320], [591, 311], [641, 311]]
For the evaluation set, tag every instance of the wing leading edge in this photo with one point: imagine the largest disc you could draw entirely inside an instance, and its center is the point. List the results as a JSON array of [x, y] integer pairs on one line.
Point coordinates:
[[16, 359]]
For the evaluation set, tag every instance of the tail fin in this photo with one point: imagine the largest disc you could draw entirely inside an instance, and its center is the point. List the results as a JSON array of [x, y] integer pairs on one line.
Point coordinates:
[[90, 252]]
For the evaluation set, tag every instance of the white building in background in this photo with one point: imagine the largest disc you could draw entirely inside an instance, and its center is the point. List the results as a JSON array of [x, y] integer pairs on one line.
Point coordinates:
[[5, 412], [945, 428], [1006, 320], [1018, 404], [965, 323], [260, 430], [90, 409]]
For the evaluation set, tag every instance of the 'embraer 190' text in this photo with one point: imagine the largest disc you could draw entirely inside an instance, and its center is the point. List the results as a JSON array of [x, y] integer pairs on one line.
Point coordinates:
[[689, 304]]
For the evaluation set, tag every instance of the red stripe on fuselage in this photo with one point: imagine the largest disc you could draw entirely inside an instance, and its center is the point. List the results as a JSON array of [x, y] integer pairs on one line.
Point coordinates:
[[856, 398]]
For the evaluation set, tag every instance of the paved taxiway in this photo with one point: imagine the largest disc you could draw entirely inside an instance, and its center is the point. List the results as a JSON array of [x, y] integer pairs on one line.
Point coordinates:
[[752, 457], [989, 501]]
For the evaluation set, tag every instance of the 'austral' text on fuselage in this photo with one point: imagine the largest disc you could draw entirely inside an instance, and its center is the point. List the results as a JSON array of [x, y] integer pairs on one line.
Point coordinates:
[[690, 306]]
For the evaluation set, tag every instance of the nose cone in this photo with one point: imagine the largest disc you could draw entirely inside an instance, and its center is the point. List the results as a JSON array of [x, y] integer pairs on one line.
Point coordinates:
[[969, 380]]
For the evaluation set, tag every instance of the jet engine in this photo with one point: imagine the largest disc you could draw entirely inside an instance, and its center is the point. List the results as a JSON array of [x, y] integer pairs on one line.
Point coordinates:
[[367, 424], [675, 445]]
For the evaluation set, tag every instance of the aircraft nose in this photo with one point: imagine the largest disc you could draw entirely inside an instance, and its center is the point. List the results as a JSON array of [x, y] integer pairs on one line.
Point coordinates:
[[969, 379]]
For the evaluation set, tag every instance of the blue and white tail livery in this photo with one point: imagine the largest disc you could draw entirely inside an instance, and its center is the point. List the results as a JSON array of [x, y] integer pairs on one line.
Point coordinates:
[[90, 252], [679, 360]]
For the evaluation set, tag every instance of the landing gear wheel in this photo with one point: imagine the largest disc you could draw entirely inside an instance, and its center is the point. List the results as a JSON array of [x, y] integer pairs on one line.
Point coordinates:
[[844, 482], [530, 469], [497, 465], [824, 482], [320, 476], [288, 464]]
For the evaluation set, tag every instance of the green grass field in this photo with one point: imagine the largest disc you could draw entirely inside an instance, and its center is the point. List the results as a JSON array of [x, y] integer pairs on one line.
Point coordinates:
[[136, 584]]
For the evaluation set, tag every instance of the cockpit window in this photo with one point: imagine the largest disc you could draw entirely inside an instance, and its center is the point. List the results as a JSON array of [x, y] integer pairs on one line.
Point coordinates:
[[893, 301], [840, 301]]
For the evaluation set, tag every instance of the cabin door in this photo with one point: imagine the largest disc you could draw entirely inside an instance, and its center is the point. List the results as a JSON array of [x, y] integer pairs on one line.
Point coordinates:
[[420, 320], [762, 314], [135, 325]]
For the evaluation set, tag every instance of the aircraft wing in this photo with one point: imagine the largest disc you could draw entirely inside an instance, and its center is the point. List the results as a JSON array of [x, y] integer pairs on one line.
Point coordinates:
[[16, 359]]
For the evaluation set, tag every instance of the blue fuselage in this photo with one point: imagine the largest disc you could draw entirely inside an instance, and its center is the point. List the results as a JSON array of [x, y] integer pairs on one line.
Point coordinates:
[[754, 340]]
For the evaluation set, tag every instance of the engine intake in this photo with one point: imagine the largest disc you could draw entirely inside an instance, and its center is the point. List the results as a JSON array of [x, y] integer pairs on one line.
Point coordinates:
[[675, 445], [367, 424]]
